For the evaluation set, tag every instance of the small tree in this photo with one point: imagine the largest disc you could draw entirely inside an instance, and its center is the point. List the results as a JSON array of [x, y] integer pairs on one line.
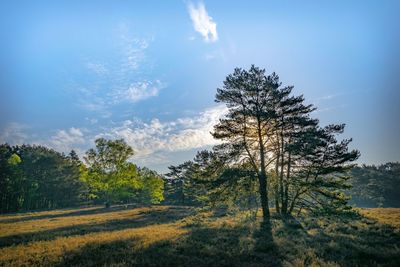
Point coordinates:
[[109, 175]]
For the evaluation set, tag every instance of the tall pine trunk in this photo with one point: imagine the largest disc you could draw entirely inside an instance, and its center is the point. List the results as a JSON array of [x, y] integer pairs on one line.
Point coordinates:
[[286, 196], [276, 185], [262, 178], [282, 162]]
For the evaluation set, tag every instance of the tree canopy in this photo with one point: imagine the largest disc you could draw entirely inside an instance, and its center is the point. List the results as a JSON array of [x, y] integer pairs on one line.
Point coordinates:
[[111, 177]]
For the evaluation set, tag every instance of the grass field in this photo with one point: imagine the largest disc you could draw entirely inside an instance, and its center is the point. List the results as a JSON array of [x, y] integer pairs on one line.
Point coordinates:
[[179, 236]]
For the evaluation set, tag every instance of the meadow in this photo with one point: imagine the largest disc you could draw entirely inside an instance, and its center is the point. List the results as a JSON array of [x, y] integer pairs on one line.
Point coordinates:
[[184, 236]]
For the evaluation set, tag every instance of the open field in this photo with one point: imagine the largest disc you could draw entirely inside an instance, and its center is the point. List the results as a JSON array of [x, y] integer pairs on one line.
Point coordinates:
[[175, 236]]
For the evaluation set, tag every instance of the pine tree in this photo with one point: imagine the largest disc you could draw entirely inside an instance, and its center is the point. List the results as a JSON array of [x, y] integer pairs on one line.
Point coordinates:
[[250, 98]]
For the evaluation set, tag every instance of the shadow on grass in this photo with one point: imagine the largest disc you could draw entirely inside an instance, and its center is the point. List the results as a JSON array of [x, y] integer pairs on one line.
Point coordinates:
[[344, 240], [151, 217], [73, 212], [347, 240], [201, 246]]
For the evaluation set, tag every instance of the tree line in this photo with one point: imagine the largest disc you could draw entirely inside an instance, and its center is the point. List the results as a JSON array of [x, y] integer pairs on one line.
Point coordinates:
[[375, 186], [36, 177]]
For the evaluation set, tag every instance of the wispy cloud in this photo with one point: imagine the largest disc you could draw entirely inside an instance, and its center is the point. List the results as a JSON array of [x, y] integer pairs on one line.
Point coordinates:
[[202, 22], [134, 51], [66, 140], [334, 95], [138, 91], [329, 109], [127, 78], [14, 133]]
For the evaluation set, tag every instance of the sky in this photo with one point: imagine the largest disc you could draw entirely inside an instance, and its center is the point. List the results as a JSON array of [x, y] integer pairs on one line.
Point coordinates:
[[147, 71]]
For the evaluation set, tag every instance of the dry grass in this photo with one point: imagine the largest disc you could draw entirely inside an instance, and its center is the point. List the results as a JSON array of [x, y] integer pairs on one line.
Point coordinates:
[[390, 216], [178, 236], [38, 222]]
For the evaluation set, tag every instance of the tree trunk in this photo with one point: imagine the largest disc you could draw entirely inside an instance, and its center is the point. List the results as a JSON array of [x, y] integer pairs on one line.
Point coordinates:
[[262, 177], [276, 186], [286, 191], [282, 162]]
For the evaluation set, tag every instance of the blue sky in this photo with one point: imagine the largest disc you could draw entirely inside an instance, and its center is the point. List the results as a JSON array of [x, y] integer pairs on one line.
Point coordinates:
[[147, 71]]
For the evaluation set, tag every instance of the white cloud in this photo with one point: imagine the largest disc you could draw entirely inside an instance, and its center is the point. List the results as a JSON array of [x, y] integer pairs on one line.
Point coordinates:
[[182, 134], [134, 50], [66, 140], [202, 22], [14, 134], [138, 91]]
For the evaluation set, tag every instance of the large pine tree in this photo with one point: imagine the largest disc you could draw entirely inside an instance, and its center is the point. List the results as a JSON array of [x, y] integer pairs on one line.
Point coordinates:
[[269, 135], [295, 160]]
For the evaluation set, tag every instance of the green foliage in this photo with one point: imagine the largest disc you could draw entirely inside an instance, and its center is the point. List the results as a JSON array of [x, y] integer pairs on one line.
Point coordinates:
[[108, 174], [35, 177], [152, 189], [14, 160], [189, 182], [111, 178]]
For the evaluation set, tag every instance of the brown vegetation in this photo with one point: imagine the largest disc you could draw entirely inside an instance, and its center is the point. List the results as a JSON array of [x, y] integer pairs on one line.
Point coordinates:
[[173, 235]]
